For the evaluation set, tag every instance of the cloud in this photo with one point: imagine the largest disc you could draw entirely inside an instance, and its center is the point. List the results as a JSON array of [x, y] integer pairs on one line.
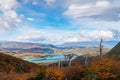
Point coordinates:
[[73, 39], [95, 24], [30, 19], [98, 15], [40, 2], [44, 36], [8, 4], [8, 16], [100, 34], [103, 10], [58, 37], [94, 19], [50, 2], [116, 34], [93, 35], [35, 2]]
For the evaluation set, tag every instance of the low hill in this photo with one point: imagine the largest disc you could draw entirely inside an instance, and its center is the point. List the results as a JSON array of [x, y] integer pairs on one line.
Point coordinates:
[[10, 64]]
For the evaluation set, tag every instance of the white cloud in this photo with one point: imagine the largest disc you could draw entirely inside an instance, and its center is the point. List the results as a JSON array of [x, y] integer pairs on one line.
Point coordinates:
[[50, 2], [73, 39], [8, 4], [30, 19], [58, 37], [96, 10], [8, 16], [98, 15], [96, 24], [100, 10], [100, 34], [35, 2], [103, 3], [44, 36]]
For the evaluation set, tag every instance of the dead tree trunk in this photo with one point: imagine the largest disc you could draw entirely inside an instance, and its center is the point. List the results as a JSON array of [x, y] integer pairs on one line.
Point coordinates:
[[66, 59], [70, 56], [86, 60], [59, 63], [101, 48]]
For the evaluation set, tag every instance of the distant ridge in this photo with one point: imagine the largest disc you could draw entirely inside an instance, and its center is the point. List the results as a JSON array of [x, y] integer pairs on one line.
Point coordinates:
[[25, 46]]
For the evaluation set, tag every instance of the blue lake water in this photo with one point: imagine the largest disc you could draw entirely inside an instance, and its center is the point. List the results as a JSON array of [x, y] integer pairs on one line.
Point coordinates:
[[49, 58]]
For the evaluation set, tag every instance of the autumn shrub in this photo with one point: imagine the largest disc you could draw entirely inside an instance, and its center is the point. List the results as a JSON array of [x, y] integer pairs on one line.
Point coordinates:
[[23, 76], [20, 78], [54, 74], [103, 68], [75, 72], [116, 69]]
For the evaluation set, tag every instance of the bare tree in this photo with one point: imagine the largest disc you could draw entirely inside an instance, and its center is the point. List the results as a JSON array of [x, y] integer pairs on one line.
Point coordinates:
[[65, 58], [86, 60], [101, 48], [59, 63], [70, 56]]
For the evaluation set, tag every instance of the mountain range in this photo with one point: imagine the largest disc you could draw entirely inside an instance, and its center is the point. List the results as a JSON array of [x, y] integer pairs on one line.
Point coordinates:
[[25, 46], [49, 48]]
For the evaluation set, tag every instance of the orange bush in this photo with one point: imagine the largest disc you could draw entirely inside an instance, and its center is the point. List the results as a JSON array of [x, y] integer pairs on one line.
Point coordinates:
[[20, 78], [74, 72], [103, 68], [54, 74]]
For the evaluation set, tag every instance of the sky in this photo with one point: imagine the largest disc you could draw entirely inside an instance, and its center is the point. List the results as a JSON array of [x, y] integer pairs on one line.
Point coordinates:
[[59, 21]]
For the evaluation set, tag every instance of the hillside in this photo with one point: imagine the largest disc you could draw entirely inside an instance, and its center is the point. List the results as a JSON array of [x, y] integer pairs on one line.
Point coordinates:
[[10, 64], [115, 50]]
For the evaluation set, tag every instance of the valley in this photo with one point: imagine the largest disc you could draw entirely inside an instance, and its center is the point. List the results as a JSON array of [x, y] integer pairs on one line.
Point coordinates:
[[47, 53]]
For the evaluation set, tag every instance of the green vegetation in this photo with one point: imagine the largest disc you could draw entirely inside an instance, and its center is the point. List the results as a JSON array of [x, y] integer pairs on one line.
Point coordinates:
[[40, 76]]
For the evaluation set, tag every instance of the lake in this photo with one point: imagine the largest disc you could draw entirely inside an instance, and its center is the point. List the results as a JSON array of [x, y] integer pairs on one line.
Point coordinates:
[[49, 58]]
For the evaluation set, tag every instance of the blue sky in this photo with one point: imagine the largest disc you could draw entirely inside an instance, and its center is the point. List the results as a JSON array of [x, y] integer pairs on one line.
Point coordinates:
[[59, 21]]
